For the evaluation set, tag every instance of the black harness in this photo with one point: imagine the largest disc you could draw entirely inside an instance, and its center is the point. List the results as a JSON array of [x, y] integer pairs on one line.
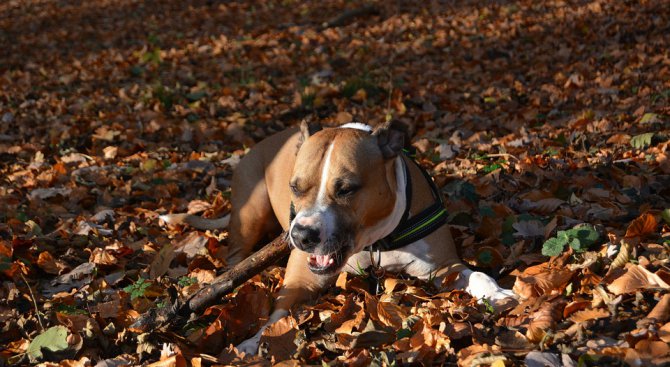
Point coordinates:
[[410, 229]]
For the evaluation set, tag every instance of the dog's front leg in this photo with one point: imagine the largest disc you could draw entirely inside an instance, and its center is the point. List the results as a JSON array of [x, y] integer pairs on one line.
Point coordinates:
[[300, 285]]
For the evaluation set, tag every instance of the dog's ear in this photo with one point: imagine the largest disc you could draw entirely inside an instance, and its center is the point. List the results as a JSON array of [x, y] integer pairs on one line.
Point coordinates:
[[391, 138], [307, 130]]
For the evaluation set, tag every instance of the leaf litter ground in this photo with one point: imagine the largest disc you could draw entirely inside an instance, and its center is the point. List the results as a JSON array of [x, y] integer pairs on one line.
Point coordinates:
[[545, 123]]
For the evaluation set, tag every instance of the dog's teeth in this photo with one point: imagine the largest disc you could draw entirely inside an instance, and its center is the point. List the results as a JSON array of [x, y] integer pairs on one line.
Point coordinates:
[[330, 261]]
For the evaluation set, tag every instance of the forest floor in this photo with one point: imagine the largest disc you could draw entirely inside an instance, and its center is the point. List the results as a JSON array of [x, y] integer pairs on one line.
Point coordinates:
[[546, 124]]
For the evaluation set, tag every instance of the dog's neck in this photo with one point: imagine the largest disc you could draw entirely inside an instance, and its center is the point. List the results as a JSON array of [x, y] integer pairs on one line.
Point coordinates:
[[388, 224]]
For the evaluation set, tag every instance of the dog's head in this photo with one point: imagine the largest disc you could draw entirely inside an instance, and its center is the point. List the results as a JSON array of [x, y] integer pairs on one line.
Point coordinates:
[[347, 190]]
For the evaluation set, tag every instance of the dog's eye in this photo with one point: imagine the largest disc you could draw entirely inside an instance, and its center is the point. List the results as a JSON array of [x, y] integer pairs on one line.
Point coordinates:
[[295, 190], [345, 191]]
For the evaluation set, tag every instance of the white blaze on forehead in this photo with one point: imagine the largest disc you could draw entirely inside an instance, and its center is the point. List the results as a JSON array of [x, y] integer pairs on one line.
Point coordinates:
[[357, 126], [320, 215], [323, 186]]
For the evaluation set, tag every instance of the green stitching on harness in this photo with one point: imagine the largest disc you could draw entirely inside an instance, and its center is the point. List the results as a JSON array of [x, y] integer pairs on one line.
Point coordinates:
[[423, 225]]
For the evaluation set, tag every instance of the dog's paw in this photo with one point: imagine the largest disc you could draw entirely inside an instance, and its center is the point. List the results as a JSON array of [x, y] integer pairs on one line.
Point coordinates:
[[483, 287], [250, 346]]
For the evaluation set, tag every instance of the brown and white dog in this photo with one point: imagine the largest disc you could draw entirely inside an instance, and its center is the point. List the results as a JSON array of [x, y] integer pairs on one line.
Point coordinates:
[[346, 189]]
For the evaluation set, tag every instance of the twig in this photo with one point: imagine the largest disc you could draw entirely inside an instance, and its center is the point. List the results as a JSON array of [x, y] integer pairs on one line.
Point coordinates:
[[501, 155], [225, 283], [32, 295]]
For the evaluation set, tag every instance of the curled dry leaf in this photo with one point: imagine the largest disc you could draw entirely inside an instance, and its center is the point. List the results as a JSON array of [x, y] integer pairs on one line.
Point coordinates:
[[636, 278], [575, 306], [357, 323], [661, 312], [424, 335], [541, 280], [623, 256], [544, 319], [641, 226], [343, 314]]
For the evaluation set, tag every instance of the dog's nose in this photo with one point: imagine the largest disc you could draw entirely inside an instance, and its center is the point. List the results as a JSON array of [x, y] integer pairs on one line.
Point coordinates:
[[305, 237]]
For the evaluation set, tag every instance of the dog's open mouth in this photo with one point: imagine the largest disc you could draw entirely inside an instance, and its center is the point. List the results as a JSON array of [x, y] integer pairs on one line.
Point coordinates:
[[324, 264]]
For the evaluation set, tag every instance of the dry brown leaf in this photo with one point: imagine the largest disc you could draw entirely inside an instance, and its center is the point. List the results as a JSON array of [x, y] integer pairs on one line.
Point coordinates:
[[546, 206], [652, 348], [360, 358], [664, 332], [641, 226], [512, 340], [110, 310], [457, 330], [176, 360], [541, 280], [245, 315], [636, 278], [50, 265], [161, 262], [549, 228], [467, 355], [341, 315], [279, 337], [590, 314], [575, 306], [424, 335], [391, 314], [102, 257], [661, 312], [544, 319], [371, 306], [82, 362], [286, 363], [342, 281]]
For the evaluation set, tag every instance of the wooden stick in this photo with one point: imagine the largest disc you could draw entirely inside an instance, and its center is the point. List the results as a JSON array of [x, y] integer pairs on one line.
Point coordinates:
[[179, 311], [240, 273]]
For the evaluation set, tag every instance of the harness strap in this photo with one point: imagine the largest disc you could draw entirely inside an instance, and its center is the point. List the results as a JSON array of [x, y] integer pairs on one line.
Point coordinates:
[[412, 229]]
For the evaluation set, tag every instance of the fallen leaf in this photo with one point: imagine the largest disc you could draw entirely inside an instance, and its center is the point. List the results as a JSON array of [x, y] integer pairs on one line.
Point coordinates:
[[661, 312], [636, 278], [391, 314], [280, 337], [53, 339], [590, 314], [544, 319], [641, 226]]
